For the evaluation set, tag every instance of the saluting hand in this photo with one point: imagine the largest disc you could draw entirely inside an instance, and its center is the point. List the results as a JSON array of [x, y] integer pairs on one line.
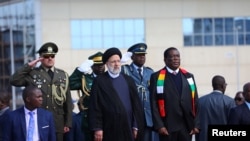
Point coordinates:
[[34, 62]]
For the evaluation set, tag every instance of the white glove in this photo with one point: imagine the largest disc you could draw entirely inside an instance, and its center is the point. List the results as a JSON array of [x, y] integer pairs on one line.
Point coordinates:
[[86, 66], [126, 57]]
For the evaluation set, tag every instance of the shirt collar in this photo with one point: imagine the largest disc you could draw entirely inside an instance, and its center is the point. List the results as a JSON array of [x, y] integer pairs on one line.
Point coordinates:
[[248, 104], [113, 75], [27, 111], [52, 69], [136, 67], [94, 74], [218, 91], [171, 71]]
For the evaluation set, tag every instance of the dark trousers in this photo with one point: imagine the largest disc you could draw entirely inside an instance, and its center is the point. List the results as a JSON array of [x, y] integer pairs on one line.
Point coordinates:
[[59, 136], [180, 135], [150, 134]]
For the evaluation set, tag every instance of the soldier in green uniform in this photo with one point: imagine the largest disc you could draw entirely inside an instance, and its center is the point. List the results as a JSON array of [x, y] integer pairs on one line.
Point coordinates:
[[81, 80], [53, 82]]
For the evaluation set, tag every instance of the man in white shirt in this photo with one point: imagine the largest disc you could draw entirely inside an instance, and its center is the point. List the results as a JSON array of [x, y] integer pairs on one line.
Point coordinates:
[[17, 125]]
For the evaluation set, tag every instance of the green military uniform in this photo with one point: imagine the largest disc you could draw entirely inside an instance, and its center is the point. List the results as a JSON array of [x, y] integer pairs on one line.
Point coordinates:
[[82, 82], [56, 92]]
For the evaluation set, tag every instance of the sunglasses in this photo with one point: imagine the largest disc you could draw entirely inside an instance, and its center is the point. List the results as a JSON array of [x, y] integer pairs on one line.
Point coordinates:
[[48, 56], [237, 99]]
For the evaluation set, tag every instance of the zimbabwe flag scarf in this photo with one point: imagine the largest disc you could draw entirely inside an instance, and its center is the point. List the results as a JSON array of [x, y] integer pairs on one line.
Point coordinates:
[[160, 89]]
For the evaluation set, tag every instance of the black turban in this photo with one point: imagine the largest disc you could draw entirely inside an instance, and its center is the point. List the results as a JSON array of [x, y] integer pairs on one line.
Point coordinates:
[[110, 52]]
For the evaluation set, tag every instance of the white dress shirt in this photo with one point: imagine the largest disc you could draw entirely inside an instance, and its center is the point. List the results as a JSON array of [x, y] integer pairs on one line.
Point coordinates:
[[27, 118]]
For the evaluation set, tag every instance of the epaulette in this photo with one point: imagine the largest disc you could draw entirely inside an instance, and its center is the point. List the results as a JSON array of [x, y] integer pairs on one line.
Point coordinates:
[[59, 70], [126, 68], [36, 68], [148, 68]]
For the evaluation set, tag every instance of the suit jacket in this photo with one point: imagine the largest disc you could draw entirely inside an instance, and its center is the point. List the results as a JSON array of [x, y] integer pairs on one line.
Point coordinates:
[[107, 112], [178, 107], [142, 88], [239, 115], [3, 119], [56, 91], [214, 109], [15, 126]]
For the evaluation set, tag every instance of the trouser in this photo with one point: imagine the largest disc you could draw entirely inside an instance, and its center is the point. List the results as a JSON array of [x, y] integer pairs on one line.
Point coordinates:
[[150, 134], [180, 135], [59, 136]]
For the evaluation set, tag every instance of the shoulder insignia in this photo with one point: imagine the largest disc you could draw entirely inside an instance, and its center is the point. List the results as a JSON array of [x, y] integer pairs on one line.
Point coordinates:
[[126, 68], [149, 68], [59, 70]]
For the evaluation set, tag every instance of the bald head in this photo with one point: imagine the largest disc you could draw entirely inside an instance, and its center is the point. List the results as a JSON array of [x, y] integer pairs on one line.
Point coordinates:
[[219, 83], [246, 87], [246, 91]]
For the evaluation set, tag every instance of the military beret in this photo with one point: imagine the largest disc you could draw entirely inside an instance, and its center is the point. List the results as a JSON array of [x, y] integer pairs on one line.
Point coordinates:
[[48, 48], [110, 52], [97, 58], [139, 48]]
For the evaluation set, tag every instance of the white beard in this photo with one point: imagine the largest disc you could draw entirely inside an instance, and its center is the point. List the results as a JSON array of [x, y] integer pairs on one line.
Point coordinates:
[[114, 70]]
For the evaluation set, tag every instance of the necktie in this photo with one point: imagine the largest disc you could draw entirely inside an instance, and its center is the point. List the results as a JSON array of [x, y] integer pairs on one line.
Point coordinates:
[[51, 74], [174, 72], [139, 71], [30, 127]]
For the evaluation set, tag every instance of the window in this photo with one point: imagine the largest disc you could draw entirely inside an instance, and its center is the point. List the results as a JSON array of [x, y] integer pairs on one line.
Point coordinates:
[[216, 31], [105, 33]]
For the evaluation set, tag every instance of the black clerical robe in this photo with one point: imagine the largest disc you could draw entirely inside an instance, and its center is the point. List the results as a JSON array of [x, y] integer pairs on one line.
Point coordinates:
[[107, 112]]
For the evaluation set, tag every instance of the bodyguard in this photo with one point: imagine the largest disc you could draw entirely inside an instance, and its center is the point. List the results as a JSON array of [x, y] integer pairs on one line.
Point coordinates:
[[54, 84], [141, 75]]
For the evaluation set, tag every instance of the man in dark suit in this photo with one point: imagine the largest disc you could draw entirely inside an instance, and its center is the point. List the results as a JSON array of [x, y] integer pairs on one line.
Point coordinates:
[[16, 126], [4, 110], [214, 107], [115, 110], [54, 84], [174, 100], [240, 115]]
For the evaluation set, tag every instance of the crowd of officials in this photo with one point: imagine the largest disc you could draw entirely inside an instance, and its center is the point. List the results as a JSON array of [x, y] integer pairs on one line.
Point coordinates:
[[117, 101]]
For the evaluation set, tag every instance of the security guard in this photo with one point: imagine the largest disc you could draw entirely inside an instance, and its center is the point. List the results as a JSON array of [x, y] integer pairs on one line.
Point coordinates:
[[53, 82], [141, 76], [81, 80]]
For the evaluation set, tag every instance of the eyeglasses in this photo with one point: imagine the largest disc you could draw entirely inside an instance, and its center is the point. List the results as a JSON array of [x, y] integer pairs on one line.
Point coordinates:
[[237, 99], [48, 56]]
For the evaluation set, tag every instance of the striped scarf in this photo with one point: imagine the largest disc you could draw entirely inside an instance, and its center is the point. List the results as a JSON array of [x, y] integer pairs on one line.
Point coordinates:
[[160, 89]]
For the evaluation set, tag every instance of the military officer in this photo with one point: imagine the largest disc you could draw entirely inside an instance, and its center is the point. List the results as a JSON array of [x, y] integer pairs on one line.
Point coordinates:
[[141, 75], [53, 82], [81, 80]]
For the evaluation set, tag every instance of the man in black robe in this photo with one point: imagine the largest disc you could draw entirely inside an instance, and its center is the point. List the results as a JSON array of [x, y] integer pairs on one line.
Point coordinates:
[[115, 110]]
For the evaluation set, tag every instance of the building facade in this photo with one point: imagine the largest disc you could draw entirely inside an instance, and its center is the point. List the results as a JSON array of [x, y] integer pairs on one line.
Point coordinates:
[[212, 36]]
